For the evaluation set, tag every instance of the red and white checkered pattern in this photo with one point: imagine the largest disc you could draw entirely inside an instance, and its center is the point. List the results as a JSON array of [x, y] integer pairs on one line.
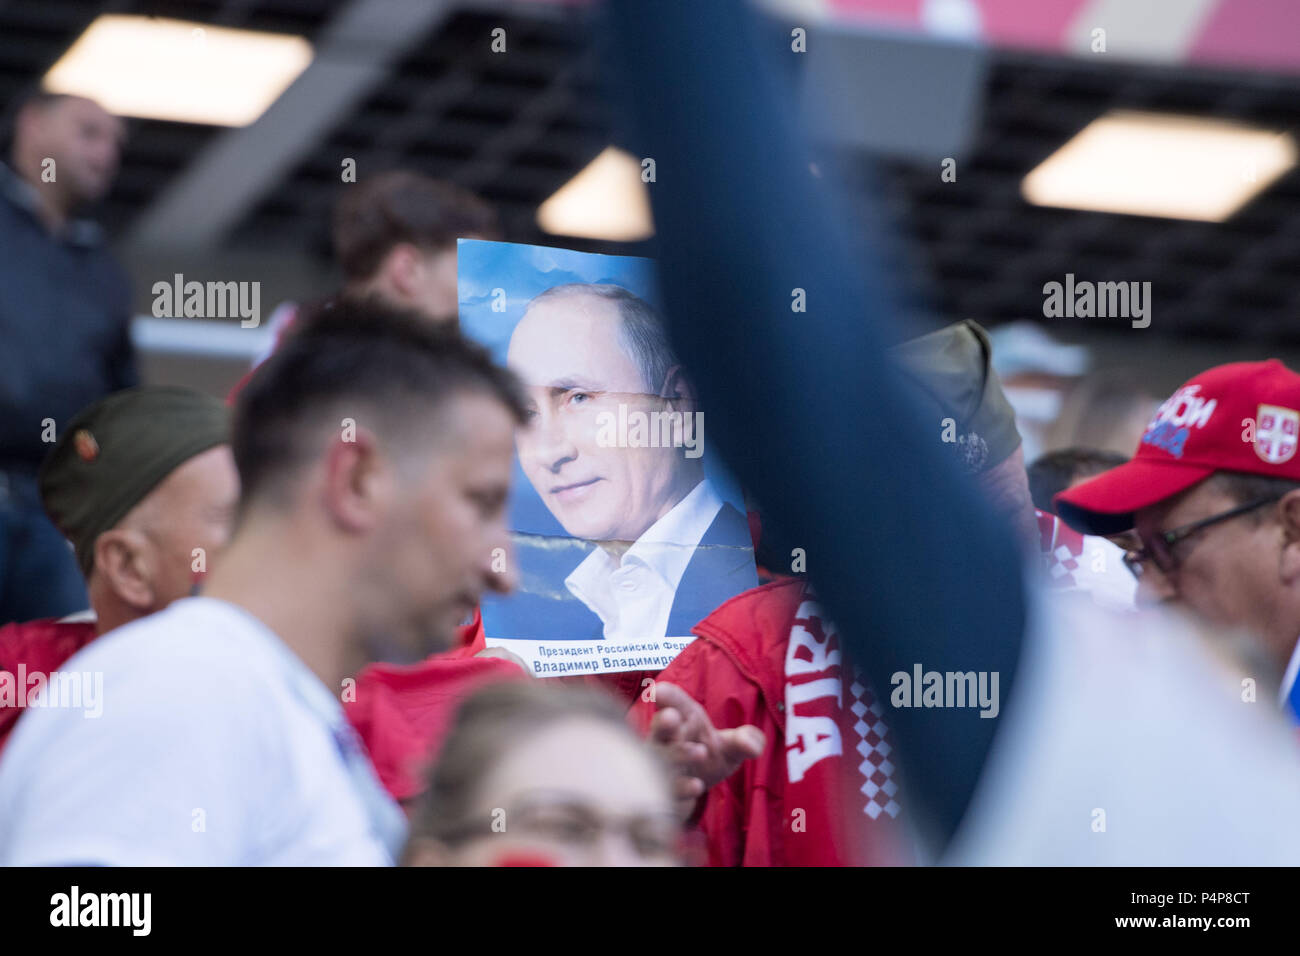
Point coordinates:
[[875, 748]]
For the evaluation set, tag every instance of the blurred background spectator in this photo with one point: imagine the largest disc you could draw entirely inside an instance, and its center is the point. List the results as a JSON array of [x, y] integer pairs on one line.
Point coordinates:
[[63, 329], [394, 237], [1107, 410], [1058, 470]]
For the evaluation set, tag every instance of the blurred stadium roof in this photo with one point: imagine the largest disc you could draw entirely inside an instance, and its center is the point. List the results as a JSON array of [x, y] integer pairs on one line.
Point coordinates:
[[414, 83]]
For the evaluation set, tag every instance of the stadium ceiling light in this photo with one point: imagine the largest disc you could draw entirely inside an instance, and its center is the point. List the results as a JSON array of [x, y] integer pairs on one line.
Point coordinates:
[[179, 70], [1154, 164], [606, 200]]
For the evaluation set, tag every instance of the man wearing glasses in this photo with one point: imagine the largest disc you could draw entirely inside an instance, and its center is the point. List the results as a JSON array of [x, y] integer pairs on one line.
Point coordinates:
[[1212, 496]]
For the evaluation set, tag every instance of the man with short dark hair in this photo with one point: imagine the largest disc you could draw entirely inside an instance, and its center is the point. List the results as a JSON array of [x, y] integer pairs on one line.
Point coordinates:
[[1064, 468], [64, 322], [374, 451], [1213, 494], [395, 236]]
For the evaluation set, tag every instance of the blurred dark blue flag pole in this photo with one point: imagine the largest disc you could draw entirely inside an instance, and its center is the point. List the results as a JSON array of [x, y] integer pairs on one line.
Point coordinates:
[[804, 406]]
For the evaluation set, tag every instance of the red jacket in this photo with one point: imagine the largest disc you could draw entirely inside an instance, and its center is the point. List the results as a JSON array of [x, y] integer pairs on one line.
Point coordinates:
[[404, 713], [825, 797], [33, 647], [824, 791]]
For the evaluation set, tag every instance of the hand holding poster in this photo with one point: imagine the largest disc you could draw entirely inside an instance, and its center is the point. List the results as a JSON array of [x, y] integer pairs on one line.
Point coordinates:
[[626, 534]]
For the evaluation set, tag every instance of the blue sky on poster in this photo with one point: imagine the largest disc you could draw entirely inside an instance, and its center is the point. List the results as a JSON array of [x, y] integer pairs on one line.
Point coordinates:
[[524, 271]]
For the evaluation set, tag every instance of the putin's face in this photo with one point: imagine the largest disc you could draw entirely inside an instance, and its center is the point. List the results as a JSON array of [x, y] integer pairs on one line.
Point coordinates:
[[569, 352]]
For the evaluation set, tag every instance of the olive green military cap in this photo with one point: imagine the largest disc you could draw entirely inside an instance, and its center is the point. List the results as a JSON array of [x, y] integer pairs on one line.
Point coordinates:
[[116, 451], [953, 371]]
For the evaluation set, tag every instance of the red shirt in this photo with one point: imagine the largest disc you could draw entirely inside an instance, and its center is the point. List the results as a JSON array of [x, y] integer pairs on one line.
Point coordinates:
[[33, 647], [404, 713], [823, 792]]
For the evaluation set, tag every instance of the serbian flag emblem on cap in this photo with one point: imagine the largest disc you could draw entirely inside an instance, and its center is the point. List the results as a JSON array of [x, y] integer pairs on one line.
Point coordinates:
[[1275, 433]]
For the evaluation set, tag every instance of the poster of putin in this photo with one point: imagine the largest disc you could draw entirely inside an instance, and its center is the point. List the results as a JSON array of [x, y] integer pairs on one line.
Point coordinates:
[[626, 533]]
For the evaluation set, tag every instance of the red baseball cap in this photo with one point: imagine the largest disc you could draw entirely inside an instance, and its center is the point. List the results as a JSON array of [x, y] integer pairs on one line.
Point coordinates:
[[1243, 417]]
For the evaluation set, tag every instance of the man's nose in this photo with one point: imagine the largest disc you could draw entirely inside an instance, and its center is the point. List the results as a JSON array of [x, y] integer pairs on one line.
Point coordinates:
[[551, 443]]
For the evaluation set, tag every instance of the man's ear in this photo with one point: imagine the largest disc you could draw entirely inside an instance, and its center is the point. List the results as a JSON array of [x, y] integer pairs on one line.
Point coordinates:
[[124, 560], [1288, 512], [677, 387], [402, 268], [355, 479]]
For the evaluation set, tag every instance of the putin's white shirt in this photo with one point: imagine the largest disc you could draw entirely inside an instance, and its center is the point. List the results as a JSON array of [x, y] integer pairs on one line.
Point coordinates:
[[633, 597]]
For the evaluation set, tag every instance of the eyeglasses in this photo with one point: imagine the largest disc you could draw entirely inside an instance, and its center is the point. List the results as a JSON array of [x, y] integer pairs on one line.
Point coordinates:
[[1160, 550], [570, 822]]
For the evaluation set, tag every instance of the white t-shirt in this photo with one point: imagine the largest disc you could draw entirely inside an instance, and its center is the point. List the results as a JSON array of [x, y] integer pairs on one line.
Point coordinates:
[[216, 746], [633, 597], [1128, 743]]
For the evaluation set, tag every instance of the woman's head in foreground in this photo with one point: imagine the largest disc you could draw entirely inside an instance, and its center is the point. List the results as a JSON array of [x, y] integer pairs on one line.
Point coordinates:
[[534, 774]]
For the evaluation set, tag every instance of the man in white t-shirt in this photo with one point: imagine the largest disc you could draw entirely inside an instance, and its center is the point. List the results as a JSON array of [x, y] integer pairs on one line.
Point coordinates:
[[1131, 740], [374, 453]]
